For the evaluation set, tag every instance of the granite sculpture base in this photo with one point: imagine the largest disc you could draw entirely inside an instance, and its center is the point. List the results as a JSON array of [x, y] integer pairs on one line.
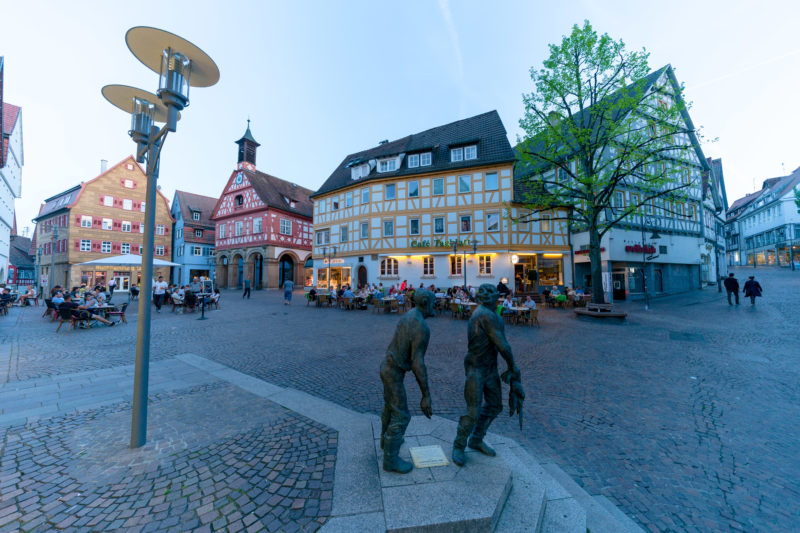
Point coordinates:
[[445, 498]]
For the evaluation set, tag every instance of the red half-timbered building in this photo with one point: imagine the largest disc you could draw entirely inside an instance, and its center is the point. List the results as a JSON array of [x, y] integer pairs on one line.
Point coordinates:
[[263, 226]]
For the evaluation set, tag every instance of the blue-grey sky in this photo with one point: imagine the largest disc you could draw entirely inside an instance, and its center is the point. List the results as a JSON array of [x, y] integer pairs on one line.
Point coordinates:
[[322, 79]]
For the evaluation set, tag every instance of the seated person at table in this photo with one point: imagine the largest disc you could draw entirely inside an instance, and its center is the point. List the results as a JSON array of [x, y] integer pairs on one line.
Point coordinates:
[[177, 297], [6, 298], [557, 296], [529, 303], [100, 296], [29, 293], [58, 299], [578, 291], [507, 305], [401, 298], [55, 289], [571, 293], [215, 296], [312, 294], [82, 311], [90, 301], [348, 293], [502, 289], [190, 299]]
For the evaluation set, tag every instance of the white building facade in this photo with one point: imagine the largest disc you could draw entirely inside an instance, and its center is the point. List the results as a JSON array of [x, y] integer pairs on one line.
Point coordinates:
[[394, 212], [763, 228], [11, 162]]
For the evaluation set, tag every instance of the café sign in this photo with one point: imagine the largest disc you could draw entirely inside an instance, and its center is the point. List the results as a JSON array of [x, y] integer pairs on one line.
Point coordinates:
[[637, 249], [438, 243]]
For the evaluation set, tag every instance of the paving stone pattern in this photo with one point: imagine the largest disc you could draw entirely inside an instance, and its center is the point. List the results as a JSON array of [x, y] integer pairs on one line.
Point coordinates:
[[685, 417], [217, 458]]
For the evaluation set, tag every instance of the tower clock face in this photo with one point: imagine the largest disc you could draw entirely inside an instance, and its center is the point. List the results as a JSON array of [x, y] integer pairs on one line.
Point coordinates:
[[239, 178]]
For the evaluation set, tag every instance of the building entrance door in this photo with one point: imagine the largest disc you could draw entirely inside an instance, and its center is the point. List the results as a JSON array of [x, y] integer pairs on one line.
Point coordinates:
[[618, 285], [362, 276], [123, 281], [286, 269]]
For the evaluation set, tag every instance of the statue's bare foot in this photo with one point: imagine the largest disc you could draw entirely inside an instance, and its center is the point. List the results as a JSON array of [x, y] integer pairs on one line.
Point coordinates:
[[481, 446]]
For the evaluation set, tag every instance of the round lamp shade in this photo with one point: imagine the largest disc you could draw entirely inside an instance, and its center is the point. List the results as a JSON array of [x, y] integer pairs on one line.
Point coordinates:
[[147, 44], [122, 97]]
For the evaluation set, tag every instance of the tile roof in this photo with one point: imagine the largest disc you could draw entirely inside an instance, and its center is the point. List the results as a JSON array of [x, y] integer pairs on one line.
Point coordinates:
[[486, 130], [778, 186], [10, 114], [18, 252], [190, 202], [62, 200], [272, 192]]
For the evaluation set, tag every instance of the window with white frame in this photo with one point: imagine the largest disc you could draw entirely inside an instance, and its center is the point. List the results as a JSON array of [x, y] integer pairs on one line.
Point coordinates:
[[257, 225], [387, 165], [438, 186], [128, 184], [126, 226], [413, 226], [544, 224], [108, 201], [196, 216], [470, 152], [238, 228], [491, 181], [425, 159], [456, 155], [390, 191], [141, 227], [159, 250], [125, 248], [438, 224], [105, 247], [343, 233], [348, 199], [198, 233], [179, 251], [388, 228], [127, 204], [413, 161], [143, 206], [222, 231], [160, 229], [286, 226], [324, 236], [427, 265], [619, 199], [86, 221], [365, 195], [465, 225], [86, 245], [321, 206], [108, 223], [493, 222], [365, 230], [413, 189], [484, 265], [197, 250], [389, 267], [464, 183], [455, 265]]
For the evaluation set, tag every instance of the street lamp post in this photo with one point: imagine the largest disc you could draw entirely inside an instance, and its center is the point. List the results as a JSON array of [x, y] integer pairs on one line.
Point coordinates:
[[39, 270], [474, 244], [653, 237], [180, 65]]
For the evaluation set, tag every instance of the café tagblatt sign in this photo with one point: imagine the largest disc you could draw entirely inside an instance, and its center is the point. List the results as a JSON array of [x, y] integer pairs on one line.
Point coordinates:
[[637, 248], [437, 243], [338, 261]]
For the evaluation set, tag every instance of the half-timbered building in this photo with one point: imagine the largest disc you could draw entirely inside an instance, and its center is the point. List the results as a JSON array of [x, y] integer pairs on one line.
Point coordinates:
[[263, 226], [395, 212]]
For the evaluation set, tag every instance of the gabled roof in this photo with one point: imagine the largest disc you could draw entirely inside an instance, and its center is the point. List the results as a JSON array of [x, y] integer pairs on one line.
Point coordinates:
[[190, 202], [485, 130], [273, 192], [10, 115], [58, 202], [524, 169], [18, 252], [777, 186]]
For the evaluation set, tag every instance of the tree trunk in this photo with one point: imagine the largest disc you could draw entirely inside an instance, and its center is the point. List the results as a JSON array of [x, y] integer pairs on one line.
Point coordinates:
[[598, 295]]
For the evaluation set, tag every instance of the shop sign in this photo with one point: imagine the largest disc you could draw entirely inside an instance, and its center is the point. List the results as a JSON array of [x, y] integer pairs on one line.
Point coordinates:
[[327, 261], [637, 249], [586, 252], [438, 243]]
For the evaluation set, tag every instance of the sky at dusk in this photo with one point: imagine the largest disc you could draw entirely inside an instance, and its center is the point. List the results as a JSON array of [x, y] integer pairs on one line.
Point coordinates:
[[322, 79]]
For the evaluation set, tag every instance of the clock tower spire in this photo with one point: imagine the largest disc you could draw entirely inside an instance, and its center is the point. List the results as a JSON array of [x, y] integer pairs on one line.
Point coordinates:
[[247, 151]]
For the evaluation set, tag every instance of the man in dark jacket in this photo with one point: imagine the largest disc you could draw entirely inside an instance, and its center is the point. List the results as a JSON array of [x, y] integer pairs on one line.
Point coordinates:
[[732, 287], [752, 289]]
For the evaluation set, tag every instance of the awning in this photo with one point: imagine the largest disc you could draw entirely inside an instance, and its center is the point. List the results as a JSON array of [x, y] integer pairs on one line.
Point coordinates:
[[309, 263]]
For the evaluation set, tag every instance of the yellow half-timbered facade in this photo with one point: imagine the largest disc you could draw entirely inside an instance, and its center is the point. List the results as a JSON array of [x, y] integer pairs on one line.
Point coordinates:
[[395, 212]]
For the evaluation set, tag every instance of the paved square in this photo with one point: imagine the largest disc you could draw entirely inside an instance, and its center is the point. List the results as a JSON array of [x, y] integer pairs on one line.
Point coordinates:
[[686, 417]]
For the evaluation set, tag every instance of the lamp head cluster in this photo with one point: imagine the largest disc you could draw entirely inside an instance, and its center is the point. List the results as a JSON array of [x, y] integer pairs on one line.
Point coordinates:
[[179, 65]]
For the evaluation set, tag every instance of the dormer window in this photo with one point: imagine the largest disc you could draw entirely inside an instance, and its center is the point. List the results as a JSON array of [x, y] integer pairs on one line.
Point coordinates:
[[463, 153], [361, 171], [289, 201], [387, 165], [425, 159], [196, 215], [413, 160]]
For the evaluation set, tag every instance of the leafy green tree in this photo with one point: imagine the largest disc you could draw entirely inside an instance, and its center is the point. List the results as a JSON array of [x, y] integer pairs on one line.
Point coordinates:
[[797, 198], [599, 121]]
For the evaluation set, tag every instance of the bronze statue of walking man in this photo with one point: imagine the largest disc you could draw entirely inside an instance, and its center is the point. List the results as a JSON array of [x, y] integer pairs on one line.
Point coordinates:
[[485, 337], [406, 353]]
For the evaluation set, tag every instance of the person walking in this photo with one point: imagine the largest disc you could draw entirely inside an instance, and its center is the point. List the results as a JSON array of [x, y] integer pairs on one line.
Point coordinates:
[[288, 286], [752, 289], [246, 288], [732, 287], [112, 283], [159, 289]]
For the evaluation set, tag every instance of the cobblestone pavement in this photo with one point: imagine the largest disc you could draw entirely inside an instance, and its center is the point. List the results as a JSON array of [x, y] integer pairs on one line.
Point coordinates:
[[685, 416]]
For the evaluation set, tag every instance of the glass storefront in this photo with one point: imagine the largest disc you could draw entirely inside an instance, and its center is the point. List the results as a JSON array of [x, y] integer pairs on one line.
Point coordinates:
[[339, 277], [551, 270]]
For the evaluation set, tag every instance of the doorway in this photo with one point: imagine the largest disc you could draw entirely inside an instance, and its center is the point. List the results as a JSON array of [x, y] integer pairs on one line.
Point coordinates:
[[286, 270], [362, 276], [618, 285]]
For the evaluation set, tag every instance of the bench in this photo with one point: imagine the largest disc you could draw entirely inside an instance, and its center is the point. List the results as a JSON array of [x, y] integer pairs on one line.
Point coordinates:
[[599, 311]]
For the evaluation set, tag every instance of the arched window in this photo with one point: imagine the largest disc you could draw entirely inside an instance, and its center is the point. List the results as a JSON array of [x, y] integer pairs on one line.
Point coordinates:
[[388, 267], [239, 200]]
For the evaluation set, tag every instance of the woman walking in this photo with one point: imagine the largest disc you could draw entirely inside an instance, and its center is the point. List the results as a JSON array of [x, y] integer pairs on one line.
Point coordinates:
[[288, 286], [752, 289]]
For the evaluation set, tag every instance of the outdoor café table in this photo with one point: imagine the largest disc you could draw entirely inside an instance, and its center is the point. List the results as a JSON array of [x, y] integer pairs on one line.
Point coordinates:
[[103, 309]]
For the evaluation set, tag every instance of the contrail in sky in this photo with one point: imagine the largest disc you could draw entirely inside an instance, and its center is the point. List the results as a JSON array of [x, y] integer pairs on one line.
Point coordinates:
[[745, 69]]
